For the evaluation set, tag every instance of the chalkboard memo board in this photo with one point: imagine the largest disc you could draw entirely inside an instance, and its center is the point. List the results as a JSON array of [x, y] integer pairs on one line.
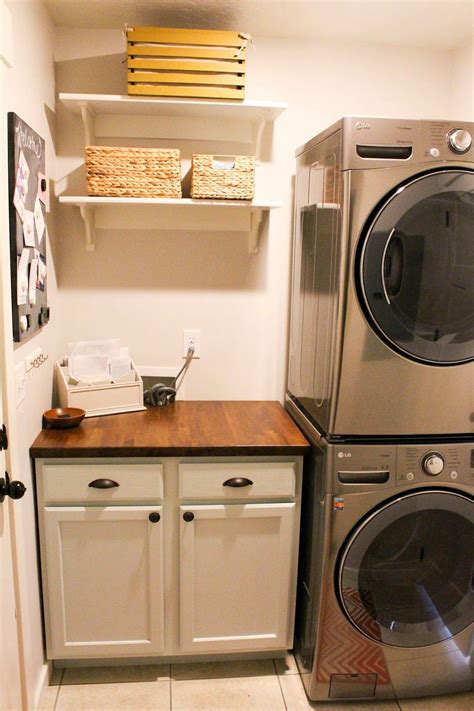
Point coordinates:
[[28, 233]]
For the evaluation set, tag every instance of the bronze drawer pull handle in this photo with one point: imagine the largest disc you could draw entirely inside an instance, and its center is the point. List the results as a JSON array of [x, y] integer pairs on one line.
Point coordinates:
[[238, 481], [103, 484], [188, 516]]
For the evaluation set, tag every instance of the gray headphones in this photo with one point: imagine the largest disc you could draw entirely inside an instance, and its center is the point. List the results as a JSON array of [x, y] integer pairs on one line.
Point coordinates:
[[159, 395]]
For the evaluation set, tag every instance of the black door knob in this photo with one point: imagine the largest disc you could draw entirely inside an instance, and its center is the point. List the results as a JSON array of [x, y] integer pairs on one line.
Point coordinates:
[[13, 489], [188, 516], [154, 517]]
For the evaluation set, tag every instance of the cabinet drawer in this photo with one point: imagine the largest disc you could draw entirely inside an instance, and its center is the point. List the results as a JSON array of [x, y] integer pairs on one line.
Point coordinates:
[[266, 480], [71, 482]]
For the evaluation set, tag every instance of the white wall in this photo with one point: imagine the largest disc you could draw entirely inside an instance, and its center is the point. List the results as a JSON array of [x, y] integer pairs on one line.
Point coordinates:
[[146, 286], [29, 92]]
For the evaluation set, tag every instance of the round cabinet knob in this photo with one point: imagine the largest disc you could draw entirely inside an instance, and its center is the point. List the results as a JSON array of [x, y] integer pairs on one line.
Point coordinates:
[[432, 464], [188, 516], [154, 517], [459, 140]]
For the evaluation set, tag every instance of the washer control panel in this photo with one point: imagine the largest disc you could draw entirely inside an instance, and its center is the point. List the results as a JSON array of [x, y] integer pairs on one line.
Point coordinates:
[[358, 467], [446, 140]]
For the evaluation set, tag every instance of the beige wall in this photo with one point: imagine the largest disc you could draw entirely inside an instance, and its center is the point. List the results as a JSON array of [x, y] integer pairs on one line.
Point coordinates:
[[463, 82], [147, 285], [29, 92]]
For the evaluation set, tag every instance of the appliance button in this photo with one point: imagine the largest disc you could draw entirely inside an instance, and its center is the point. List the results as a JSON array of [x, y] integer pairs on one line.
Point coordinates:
[[432, 464], [453, 475], [410, 476], [459, 140], [434, 152]]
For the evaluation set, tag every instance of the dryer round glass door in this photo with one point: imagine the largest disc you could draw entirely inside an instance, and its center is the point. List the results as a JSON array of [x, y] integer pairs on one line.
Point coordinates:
[[405, 575], [416, 268]]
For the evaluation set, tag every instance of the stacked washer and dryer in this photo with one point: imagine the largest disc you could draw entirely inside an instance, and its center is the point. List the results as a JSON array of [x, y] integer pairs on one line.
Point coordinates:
[[381, 381]]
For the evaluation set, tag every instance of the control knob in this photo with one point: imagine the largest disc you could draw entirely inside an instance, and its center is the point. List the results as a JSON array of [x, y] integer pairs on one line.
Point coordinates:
[[459, 140], [432, 464]]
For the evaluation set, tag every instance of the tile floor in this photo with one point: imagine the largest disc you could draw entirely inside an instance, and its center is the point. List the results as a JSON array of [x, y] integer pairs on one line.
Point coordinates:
[[263, 685]]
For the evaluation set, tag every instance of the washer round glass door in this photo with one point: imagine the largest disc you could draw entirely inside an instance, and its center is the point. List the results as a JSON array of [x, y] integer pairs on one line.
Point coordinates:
[[405, 576], [417, 268]]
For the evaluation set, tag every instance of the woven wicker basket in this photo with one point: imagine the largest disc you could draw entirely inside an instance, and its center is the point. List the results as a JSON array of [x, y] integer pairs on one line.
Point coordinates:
[[133, 172], [223, 177]]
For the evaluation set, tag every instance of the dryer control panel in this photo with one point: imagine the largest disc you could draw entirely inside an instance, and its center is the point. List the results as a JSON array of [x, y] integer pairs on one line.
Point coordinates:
[[446, 140], [370, 142], [374, 466]]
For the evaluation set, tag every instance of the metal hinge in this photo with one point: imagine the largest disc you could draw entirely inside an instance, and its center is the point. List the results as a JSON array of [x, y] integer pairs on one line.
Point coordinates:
[[3, 438]]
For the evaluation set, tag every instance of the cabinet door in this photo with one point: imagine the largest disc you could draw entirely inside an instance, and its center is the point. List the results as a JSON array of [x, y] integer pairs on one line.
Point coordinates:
[[235, 576], [103, 581]]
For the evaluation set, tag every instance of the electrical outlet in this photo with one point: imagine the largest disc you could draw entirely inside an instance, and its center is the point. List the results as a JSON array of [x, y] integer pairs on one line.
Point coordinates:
[[192, 339]]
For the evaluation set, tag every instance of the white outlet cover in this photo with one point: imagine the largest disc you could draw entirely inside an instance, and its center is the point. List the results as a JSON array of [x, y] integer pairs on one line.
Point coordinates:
[[192, 338]]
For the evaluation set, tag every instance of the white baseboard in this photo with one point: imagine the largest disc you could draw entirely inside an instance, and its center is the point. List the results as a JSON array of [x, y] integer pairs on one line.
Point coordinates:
[[43, 683], [176, 659]]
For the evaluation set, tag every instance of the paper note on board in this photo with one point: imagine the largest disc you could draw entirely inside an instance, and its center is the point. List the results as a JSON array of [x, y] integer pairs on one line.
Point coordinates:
[[22, 277], [41, 273], [29, 228], [19, 204], [32, 282], [22, 175], [39, 219]]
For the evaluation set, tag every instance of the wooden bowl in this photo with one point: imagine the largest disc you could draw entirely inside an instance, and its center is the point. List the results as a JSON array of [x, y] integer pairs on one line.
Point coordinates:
[[63, 418]]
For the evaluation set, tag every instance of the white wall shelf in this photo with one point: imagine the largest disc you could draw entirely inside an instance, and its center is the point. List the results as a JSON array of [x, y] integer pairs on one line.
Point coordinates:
[[254, 210], [96, 110]]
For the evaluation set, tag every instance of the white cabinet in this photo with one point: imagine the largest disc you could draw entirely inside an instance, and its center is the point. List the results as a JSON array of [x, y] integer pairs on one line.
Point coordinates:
[[235, 576], [104, 570], [126, 575]]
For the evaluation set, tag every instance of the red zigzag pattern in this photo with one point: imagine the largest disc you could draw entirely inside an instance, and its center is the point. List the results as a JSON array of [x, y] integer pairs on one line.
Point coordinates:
[[343, 650]]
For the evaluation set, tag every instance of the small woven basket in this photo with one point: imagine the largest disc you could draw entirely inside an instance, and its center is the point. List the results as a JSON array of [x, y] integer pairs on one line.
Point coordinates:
[[133, 172], [223, 177]]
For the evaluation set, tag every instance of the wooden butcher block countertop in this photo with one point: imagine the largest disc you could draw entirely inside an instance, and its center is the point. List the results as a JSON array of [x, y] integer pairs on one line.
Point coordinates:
[[182, 429]]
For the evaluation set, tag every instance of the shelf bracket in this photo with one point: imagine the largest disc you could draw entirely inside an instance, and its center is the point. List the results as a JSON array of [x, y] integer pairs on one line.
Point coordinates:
[[256, 216], [89, 125], [258, 127], [88, 215]]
